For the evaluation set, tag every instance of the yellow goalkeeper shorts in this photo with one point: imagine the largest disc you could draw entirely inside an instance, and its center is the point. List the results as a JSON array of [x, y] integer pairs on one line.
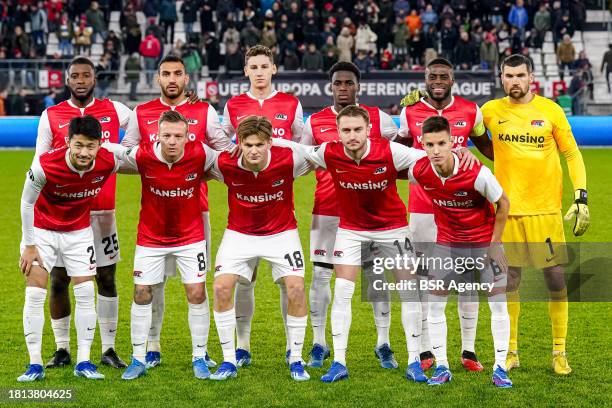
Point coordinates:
[[535, 240]]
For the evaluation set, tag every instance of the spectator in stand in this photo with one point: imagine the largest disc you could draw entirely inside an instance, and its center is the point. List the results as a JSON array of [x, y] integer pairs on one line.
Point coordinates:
[[576, 90], [386, 60], [401, 8], [234, 59], [363, 61], [460, 7], [213, 51], [38, 25], [516, 41], [167, 19], [82, 37], [17, 105], [104, 77], [250, 35], [310, 30], [606, 64], [54, 12], [312, 59], [566, 54], [464, 56], [132, 33], [268, 37], [578, 13], [541, 25], [225, 8], [50, 98], [20, 42], [132, 73], [417, 48], [400, 37], [65, 34], [150, 49], [95, 19], [525, 52], [206, 16], [3, 97], [429, 17], [151, 11], [448, 39], [583, 63], [291, 61], [562, 27], [489, 53], [365, 38], [413, 21], [519, 18], [345, 44], [231, 35], [503, 37], [189, 10], [330, 46], [249, 15]]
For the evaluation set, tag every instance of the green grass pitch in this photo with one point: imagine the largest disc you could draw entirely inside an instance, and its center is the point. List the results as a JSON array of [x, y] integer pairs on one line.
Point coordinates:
[[267, 381]]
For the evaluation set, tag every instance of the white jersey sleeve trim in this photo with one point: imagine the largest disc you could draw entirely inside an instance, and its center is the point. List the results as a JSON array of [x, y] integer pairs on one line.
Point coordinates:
[[132, 132], [44, 137], [404, 157], [227, 126], [388, 130], [298, 123], [215, 136], [301, 165], [124, 113], [307, 137], [34, 183], [487, 185], [404, 131], [211, 157]]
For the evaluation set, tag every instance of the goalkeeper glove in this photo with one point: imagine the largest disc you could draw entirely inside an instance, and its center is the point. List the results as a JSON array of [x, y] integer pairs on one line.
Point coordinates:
[[413, 97], [581, 210]]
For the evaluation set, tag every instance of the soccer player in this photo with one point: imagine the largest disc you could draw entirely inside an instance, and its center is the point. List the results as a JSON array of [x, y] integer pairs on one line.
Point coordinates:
[[466, 123], [528, 130], [261, 225], [364, 172], [52, 134], [204, 127], [284, 111], [170, 227], [58, 192], [321, 127], [468, 229]]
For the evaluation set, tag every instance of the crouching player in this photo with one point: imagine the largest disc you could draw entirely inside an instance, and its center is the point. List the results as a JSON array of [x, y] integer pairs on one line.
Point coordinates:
[[469, 231], [261, 225], [170, 229], [57, 196]]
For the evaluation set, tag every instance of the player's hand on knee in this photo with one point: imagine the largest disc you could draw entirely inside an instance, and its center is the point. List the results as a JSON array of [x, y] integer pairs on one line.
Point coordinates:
[[29, 256], [580, 209]]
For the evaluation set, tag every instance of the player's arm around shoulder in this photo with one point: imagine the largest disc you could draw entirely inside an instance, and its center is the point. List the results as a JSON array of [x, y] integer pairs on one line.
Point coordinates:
[[388, 129], [315, 155], [479, 136], [125, 157], [44, 135], [404, 156]]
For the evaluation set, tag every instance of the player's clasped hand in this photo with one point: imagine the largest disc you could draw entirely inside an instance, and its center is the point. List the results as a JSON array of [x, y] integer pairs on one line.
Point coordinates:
[[413, 97], [581, 210], [29, 256], [496, 254]]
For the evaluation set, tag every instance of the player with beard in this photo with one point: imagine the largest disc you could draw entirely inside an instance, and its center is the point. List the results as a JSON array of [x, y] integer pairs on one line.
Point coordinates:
[[528, 132], [52, 134], [321, 127], [466, 123], [284, 111], [203, 127]]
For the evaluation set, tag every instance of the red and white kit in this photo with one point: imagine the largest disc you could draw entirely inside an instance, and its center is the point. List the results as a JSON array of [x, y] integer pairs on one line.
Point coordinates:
[[465, 119], [284, 111], [321, 127], [56, 205], [261, 221], [370, 208], [170, 224], [53, 134], [204, 127]]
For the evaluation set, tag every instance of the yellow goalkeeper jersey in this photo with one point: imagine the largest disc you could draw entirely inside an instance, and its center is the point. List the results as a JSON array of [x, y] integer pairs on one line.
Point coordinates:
[[526, 141]]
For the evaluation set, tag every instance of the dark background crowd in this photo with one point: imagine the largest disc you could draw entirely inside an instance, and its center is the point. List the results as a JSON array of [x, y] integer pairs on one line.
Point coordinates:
[[305, 35]]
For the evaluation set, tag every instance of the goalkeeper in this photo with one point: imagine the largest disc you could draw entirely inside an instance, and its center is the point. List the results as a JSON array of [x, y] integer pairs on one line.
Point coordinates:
[[528, 131]]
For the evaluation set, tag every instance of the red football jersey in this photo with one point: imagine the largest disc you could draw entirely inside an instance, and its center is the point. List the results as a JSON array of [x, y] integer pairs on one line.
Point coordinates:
[[203, 127], [365, 190], [283, 110], [66, 194], [170, 213], [462, 203], [53, 134], [321, 127], [464, 117], [261, 203]]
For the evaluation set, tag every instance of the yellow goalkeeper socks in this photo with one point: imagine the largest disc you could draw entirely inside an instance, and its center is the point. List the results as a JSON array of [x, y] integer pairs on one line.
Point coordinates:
[[558, 312], [514, 309]]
